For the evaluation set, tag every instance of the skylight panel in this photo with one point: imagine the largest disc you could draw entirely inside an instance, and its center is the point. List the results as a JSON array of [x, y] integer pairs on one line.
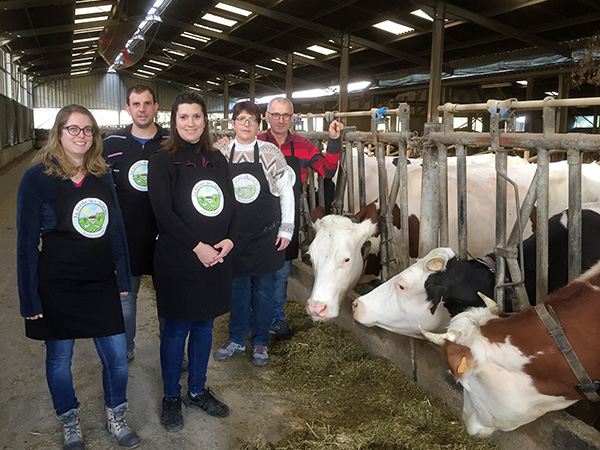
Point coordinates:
[[279, 61], [195, 37], [146, 72], [212, 82], [302, 55], [87, 58], [88, 30], [393, 27], [77, 64], [160, 63], [195, 88], [218, 19], [422, 14], [264, 67], [79, 72], [183, 45], [174, 52], [77, 41], [322, 50], [233, 9], [92, 10], [153, 68], [139, 75], [216, 30], [91, 19]]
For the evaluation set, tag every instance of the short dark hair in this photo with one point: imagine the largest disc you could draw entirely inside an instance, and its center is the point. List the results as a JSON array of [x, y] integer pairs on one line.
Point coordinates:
[[174, 141], [249, 106], [138, 89]]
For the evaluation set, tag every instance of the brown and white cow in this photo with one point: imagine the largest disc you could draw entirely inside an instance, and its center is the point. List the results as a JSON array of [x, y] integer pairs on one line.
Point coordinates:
[[511, 370]]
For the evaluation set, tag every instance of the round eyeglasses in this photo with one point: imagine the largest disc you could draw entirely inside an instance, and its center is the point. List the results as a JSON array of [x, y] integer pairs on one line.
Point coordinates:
[[74, 130], [245, 120]]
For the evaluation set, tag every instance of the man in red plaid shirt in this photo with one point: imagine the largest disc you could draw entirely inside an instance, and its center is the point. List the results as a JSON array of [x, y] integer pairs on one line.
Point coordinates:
[[300, 154]]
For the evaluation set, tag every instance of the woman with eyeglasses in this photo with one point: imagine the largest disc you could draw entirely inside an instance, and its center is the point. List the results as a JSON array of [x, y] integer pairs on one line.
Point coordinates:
[[72, 264], [265, 202], [192, 197]]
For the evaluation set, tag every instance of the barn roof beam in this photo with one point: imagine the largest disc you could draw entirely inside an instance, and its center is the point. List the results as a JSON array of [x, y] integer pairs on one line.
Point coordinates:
[[502, 28], [269, 50], [330, 32]]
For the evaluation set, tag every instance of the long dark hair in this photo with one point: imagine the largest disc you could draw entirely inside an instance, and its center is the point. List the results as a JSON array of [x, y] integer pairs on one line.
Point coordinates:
[[174, 141]]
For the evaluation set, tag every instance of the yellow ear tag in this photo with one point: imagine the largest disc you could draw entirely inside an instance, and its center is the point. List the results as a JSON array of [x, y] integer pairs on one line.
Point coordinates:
[[462, 368]]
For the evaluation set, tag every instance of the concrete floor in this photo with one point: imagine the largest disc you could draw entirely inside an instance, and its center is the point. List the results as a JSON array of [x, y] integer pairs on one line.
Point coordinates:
[[27, 417]]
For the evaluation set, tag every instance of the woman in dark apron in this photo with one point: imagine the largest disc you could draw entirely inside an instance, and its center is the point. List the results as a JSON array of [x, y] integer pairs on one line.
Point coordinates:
[[72, 264], [265, 202], [192, 197]]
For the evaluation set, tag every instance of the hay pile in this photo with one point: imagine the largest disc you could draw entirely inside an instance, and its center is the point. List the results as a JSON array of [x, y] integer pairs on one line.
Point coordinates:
[[347, 400]]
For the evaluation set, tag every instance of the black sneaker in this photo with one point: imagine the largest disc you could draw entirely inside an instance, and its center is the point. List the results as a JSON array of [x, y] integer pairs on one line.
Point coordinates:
[[281, 329], [171, 418], [208, 403]]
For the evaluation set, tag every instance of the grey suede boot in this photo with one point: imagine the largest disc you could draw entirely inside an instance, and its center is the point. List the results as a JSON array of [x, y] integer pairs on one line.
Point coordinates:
[[118, 428], [71, 430]]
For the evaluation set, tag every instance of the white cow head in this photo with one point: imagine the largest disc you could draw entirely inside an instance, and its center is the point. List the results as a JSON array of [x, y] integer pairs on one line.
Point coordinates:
[[498, 393], [400, 304], [337, 259]]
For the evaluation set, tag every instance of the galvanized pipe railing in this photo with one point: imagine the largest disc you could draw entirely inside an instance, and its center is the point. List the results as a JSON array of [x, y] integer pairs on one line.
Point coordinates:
[[498, 140]]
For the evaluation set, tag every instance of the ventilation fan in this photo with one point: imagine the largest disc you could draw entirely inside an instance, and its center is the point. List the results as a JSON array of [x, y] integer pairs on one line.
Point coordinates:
[[121, 45]]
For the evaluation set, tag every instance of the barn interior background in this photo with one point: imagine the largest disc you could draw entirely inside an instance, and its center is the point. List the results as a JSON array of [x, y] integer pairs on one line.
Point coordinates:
[[384, 68]]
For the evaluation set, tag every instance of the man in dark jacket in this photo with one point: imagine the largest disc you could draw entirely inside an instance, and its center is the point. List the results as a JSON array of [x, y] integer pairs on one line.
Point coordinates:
[[127, 151]]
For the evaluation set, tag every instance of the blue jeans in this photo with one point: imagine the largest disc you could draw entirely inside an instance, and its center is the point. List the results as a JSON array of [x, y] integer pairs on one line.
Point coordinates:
[[129, 305], [251, 309], [280, 281], [113, 354], [172, 345]]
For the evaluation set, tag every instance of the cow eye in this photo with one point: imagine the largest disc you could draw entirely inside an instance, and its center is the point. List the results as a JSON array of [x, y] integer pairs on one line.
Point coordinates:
[[401, 287], [346, 260]]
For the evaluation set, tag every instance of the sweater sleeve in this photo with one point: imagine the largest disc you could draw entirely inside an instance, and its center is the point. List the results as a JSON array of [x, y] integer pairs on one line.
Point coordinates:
[[279, 176], [161, 173], [118, 240], [327, 164], [29, 228]]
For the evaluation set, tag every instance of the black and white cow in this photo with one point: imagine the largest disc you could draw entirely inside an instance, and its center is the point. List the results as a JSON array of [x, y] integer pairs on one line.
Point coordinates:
[[413, 297]]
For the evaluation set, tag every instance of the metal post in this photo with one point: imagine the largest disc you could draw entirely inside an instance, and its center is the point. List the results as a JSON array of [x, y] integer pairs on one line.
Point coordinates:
[[429, 221], [574, 215], [344, 72], [226, 98], [289, 76], [541, 284], [461, 195], [437, 56], [252, 82], [501, 168]]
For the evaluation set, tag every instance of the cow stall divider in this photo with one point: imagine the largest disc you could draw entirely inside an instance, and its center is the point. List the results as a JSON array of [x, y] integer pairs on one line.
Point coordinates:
[[500, 139]]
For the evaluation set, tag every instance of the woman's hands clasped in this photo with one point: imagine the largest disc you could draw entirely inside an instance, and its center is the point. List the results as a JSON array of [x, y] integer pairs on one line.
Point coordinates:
[[211, 255]]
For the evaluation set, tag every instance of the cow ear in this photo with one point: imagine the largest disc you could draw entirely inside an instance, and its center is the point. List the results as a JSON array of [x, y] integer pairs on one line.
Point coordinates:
[[435, 296], [459, 358], [318, 213], [353, 218], [368, 229], [365, 250]]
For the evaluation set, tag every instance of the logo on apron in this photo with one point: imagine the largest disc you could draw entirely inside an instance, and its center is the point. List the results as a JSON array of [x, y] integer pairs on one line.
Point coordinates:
[[246, 188], [90, 217], [207, 198], [292, 175], [138, 175]]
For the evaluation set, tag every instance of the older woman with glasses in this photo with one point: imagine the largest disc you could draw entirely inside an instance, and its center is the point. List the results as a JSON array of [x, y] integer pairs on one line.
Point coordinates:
[[69, 285], [265, 202]]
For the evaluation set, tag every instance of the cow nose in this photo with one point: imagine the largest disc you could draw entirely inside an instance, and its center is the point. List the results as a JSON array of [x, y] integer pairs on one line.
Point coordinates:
[[354, 306], [316, 310]]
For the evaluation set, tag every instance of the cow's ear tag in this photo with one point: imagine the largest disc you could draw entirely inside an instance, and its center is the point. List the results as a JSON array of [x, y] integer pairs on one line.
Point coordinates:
[[462, 367], [435, 264]]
